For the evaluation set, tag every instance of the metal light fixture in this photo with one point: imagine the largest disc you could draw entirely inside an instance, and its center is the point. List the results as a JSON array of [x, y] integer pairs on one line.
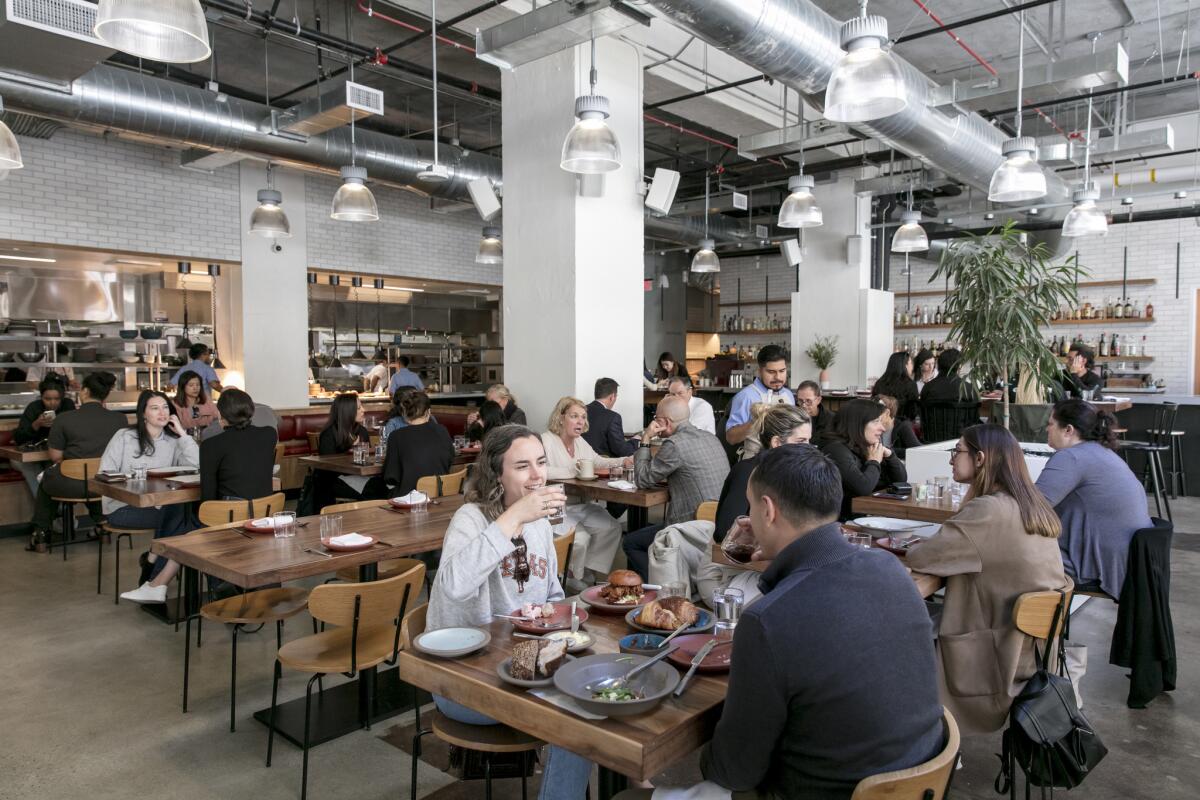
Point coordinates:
[[173, 31], [435, 172], [268, 219], [591, 147], [1085, 219], [1019, 179], [315, 365], [10, 151], [706, 259], [353, 201], [491, 250], [380, 353], [334, 280], [800, 209], [910, 236], [867, 82]]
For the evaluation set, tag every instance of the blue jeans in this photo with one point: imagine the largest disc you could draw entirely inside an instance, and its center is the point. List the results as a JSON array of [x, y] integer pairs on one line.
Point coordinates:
[[565, 776]]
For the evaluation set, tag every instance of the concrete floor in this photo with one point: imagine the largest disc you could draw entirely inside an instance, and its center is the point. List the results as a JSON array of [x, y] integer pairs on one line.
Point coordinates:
[[92, 704]]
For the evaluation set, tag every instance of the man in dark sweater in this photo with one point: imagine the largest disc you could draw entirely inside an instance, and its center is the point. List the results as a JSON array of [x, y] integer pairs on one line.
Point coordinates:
[[808, 397], [947, 387], [801, 717], [605, 431]]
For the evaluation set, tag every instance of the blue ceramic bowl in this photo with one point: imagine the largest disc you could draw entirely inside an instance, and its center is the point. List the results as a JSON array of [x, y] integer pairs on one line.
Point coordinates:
[[127, 333], [641, 644]]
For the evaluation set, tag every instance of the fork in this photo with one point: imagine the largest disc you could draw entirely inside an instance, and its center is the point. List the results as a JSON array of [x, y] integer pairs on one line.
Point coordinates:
[[318, 552]]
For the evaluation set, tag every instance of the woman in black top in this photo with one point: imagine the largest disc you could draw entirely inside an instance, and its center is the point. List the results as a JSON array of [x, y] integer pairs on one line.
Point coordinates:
[[490, 416], [856, 448], [419, 449], [34, 425], [238, 463], [897, 381], [776, 425], [669, 367], [343, 429], [898, 434]]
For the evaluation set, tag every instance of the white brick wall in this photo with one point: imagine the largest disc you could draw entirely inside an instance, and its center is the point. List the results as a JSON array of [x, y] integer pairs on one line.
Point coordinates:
[[752, 273]]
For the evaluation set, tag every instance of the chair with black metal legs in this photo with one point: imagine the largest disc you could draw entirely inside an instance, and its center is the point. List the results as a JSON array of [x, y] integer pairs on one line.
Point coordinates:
[[1158, 441], [83, 470], [563, 545], [367, 617]]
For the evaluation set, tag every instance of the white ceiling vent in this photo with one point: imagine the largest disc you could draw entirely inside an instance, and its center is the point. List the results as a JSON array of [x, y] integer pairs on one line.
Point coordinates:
[[34, 38], [333, 109]]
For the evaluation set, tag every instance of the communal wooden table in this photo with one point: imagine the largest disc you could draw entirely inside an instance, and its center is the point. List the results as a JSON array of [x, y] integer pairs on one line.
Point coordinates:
[[923, 510], [21, 455], [153, 492], [343, 463], [639, 500], [251, 561], [638, 747]]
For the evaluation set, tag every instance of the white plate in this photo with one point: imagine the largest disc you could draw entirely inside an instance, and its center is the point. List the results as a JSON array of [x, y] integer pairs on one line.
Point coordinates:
[[452, 642], [891, 525]]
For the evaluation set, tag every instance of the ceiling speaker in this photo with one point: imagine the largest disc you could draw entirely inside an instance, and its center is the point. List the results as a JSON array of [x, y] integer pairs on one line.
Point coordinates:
[[790, 248], [484, 198], [662, 190]]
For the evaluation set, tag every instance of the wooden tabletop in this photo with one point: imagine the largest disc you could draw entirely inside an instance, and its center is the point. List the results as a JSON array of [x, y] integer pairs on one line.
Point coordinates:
[[13, 453], [925, 510], [343, 463], [153, 492], [600, 490], [253, 560], [1111, 406], [639, 746]]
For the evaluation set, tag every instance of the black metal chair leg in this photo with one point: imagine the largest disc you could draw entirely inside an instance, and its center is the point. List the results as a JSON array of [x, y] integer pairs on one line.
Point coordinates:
[[233, 681], [307, 706], [199, 629], [278, 634], [99, 561], [187, 658], [1150, 459], [271, 715], [1161, 481], [487, 776], [524, 771], [117, 565], [416, 754]]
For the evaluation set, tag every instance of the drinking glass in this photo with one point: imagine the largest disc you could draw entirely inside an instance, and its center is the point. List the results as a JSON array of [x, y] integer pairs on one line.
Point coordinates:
[[559, 517], [139, 473], [673, 589], [285, 524], [727, 603], [331, 528], [862, 540], [940, 483], [616, 473], [740, 543], [380, 450]]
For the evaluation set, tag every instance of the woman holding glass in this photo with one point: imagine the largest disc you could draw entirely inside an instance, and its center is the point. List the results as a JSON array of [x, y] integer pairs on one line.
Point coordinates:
[[856, 448], [1002, 543], [498, 555]]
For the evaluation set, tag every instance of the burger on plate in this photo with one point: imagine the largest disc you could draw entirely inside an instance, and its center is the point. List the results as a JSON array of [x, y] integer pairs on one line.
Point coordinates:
[[624, 588]]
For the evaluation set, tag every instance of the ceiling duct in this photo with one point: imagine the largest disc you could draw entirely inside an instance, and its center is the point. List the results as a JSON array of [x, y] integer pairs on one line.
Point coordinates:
[[332, 109], [797, 43], [53, 39], [553, 28], [29, 127]]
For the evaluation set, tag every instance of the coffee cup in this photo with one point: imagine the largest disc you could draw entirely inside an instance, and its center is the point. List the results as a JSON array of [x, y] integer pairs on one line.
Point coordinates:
[[586, 468]]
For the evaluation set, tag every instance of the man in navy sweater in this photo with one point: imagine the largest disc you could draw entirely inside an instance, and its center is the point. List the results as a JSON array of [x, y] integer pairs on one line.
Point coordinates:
[[834, 675]]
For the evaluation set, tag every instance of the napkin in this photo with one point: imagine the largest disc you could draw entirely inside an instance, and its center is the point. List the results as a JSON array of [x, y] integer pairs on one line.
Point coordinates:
[[263, 522], [412, 498], [185, 479], [624, 486], [557, 698], [351, 540], [701, 791]]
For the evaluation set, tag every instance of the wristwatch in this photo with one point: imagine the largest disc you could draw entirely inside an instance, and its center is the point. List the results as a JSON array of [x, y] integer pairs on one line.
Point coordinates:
[[643, 444]]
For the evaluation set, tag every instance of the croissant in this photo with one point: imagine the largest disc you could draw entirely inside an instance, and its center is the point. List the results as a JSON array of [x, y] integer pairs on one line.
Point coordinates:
[[668, 614]]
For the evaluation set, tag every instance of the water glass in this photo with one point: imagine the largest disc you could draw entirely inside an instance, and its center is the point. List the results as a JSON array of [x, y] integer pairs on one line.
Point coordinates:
[[139, 473], [673, 589], [331, 528], [862, 540], [380, 450], [285, 524], [559, 516], [727, 603], [941, 482], [616, 473]]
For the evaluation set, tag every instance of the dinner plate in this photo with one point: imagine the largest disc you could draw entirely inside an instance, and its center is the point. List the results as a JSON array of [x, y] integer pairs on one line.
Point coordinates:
[[452, 642], [407, 506], [703, 623], [559, 620], [719, 658], [503, 670], [250, 527], [167, 472], [591, 596], [348, 548], [886, 543], [582, 478], [889, 524]]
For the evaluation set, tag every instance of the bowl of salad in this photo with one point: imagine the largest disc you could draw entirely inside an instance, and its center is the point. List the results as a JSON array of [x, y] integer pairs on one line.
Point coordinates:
[[641, 694]]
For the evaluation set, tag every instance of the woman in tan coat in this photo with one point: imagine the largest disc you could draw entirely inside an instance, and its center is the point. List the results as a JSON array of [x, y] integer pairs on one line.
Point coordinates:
[[1001, 544]]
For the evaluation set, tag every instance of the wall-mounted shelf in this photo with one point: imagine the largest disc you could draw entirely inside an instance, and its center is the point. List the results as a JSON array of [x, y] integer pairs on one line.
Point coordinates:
[[758, 332], [786, 302], [1060, 322], [1082, 285], [1115, 359]]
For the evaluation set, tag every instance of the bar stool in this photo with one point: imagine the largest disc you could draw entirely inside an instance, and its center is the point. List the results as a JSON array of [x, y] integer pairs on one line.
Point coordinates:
[[1178, 474], [83, 470], [1158, 441]]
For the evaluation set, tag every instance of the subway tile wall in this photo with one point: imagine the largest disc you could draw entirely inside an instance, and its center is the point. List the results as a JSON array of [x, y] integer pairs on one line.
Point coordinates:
[[754, 276]]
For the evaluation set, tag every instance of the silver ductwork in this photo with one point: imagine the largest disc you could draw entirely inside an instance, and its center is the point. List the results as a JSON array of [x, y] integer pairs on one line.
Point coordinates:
[[797, 43], [160, 111]]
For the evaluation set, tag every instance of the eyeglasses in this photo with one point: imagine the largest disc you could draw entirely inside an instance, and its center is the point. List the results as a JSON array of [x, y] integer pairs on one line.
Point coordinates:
[[521, 570], [958, 451]]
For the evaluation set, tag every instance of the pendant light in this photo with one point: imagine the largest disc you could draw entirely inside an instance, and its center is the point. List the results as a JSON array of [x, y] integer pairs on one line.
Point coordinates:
[[312, 356], [1019, 179], [353, 201], [910, 236], [435, 172], [867, 82], [799, 208], [491, 251], [591, 147], [357, 283], [334, 280], [173, 31], [706, 259], [1085, 219], [214, 272], [380, 353], [10, 151], [184, 268], [268, 219]]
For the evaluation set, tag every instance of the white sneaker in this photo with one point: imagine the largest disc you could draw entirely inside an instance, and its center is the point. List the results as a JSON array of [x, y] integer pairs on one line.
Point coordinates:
[[147, 594]]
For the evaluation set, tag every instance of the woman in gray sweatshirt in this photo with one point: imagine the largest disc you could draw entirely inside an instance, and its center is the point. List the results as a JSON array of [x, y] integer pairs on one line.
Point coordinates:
[[498, 555]]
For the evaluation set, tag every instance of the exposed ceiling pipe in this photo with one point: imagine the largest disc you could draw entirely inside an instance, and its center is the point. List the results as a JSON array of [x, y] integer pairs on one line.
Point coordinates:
[[164, 112]]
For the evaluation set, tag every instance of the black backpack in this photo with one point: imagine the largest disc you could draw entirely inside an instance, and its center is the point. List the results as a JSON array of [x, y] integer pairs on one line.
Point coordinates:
[[1048, 737]]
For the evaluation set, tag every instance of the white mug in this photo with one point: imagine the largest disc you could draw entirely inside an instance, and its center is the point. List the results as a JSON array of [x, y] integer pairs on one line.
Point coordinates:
[[587, 468]]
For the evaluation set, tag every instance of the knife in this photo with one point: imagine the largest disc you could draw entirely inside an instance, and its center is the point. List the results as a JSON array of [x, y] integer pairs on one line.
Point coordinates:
[[696, 662]]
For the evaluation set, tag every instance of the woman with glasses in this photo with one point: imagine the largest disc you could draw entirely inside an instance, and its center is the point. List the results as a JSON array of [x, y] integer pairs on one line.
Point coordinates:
[[1002, 543], [497, 556], [856, 446]]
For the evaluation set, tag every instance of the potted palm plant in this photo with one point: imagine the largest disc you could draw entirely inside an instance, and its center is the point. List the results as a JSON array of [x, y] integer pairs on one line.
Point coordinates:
[[1004, 292], [823, 352]]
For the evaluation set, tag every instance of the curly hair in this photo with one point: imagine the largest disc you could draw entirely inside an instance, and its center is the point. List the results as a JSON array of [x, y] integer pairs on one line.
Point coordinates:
[[555, 423], [484, 488]]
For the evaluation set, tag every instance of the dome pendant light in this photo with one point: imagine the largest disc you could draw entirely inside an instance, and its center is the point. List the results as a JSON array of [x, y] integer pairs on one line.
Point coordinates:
[[867, 82], [706, 259], [491, 251], [268, 219], [591, 147], [435, 172], [353, 201], [10, 151], [910, 236], [799, 209], [173, 31], [1020, 178], [1085, 219]]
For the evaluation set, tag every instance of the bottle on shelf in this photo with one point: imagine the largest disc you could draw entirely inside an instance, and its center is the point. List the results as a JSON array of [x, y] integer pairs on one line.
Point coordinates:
[[1149, 310], [1128, 308], [1103, 350], [937, 317], [1114, 347]]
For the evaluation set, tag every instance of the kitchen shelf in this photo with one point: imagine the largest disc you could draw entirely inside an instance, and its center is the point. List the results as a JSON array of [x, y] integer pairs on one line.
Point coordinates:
[[753, 333], [1060, 322], [787, 302], [86, 365], [1082, 285], [1115, 359]]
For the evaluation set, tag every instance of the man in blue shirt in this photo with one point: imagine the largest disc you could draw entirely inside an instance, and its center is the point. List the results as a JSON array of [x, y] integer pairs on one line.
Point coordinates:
[[405, 377], [200, 357], [769, 387]]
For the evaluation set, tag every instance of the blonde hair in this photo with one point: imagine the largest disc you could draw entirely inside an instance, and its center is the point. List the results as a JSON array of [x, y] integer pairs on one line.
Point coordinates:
[[500, 390], [555, 424], [776, 419]]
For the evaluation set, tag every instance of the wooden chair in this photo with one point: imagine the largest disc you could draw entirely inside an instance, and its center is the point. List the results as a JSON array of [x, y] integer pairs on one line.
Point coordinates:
[[368, 620], [81, 469], [442, 485], [928, 781], [279, 450], [1034, 612], [485, 739], [707, 511], [387, 569], [223, 512], [563, 545]]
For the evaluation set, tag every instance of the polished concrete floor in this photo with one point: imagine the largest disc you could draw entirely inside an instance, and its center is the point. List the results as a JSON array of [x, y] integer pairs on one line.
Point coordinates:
[[91, 706]]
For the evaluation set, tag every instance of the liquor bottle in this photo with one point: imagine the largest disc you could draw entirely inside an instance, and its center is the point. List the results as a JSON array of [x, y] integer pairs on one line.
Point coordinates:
[[1108, 309], [1144, 351], [1119, 310], [937, 317], [1103, 345], [1128, 308], [1114, 347], [1149, 310]]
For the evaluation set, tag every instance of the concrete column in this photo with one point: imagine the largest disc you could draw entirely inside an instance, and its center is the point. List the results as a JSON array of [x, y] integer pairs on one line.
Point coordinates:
[[572, 265], [262, 306], [835, 297]]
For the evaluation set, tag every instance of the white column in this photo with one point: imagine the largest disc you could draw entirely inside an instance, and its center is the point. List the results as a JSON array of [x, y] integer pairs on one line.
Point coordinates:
[[572, 264], [835, 297], [262, 305]]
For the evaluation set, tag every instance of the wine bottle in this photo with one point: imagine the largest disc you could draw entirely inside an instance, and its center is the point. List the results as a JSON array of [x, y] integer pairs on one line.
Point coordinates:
[[1114, 347], [1103, 345], [937, 317], [1119, 310], [1128, 308], [1149, 310]]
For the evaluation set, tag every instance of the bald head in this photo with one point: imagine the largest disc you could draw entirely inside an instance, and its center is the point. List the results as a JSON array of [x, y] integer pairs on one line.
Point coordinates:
[[672, 412]]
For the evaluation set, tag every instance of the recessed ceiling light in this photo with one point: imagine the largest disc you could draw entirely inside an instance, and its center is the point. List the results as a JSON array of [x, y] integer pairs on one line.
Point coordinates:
[[30, 258], [403, 289], [135, 262]]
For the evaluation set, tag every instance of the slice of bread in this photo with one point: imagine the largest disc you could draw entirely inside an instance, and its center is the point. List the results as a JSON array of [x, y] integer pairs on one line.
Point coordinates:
[[534, 660], [552, 656]]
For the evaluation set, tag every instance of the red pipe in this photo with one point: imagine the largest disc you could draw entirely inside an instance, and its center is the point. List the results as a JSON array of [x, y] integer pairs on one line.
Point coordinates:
[[371, 12]]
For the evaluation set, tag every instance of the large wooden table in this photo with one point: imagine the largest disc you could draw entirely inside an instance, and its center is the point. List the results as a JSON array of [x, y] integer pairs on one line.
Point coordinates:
[[639, 500], [255, 560], [343, 463], [153, 492], [924, 510], [637, 747], [21, 455]]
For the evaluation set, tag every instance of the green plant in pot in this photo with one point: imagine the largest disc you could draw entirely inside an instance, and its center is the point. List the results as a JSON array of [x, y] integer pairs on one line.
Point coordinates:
[[1004, 292], [823, 352]]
